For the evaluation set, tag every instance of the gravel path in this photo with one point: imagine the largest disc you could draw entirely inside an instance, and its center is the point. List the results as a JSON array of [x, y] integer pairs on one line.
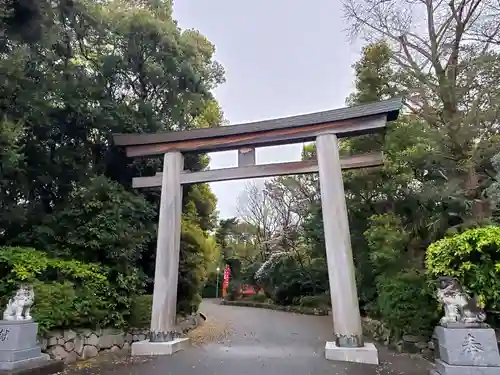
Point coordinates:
[[241, 340]]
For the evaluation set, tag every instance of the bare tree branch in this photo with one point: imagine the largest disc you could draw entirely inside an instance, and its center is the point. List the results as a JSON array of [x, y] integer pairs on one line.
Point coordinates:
[[446, 59]]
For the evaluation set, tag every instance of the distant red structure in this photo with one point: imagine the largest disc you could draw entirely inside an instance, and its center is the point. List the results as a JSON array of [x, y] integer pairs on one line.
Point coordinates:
[[225, 281], [248, 290]]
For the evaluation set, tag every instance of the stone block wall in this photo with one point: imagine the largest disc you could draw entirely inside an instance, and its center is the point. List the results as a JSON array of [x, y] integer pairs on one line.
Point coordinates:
[[380, 332], [71, 345]]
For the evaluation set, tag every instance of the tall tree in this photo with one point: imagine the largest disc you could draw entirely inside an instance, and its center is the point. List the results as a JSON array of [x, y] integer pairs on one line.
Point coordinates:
[[447, 67], [494, 189], [95, 68], [11, 189], [256, 209]]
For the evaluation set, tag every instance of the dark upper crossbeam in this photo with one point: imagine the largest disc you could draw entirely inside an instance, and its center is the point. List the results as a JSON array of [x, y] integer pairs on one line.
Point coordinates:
[[356, 120]]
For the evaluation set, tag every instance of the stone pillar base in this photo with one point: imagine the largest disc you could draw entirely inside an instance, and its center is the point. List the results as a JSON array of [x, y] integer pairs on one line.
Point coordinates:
[[148, 348], [366, 354]]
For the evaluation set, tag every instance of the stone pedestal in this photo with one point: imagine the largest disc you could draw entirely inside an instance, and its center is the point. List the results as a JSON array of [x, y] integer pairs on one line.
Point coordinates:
[[365, 354], [466, 351], [148, 348], [19, 353]]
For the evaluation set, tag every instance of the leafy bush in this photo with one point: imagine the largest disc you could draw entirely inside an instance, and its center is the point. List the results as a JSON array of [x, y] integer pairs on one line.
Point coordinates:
[[387, 241], [67, 292], [473, 257], [140, 312], [293, 280], [54, 305], [194, 258], [101, 222], [26, 264], [322, 300], [290, 289], [406, 303]]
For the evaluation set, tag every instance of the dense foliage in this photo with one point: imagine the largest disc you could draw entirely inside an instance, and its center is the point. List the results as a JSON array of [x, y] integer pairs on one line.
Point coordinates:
[[406, 303], [140, 311], [72, 74], [493, 190], [473, 257], [69, 292], [192, 267]]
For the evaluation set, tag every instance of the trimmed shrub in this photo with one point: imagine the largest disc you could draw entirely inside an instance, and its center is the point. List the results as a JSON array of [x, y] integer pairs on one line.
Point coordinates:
[[473, 257], [287, 279], [54, 305], [194, 258], [406, 304], [68, 293]]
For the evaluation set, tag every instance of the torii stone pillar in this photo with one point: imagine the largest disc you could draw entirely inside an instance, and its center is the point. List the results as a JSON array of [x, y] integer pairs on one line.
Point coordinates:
[[348, 344], [163, 338]]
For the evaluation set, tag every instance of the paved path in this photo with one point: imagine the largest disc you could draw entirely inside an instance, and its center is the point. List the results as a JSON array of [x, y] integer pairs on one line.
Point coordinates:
[[266, 342]]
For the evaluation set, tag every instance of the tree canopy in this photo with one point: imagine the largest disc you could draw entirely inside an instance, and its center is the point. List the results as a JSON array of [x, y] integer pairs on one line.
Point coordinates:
[[73, 73]]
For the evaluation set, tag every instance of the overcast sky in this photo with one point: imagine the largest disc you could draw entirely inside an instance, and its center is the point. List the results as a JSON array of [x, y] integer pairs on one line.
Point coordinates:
[[282, 58]]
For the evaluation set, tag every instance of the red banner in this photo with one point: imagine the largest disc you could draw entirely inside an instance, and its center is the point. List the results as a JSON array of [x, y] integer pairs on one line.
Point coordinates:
[[225, 281], [227, 275]]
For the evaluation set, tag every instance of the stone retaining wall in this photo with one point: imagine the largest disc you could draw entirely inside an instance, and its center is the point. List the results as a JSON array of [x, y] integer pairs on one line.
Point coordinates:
[[71, 345], [379, 332]]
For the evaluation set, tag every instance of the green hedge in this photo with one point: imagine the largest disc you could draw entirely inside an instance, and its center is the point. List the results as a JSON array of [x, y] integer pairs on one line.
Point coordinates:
[[406, 304], [473, 257], [195, 251], [68, 293]]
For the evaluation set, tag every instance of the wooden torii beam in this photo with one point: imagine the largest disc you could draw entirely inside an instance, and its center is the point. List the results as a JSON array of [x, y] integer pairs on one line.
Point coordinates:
[[323, 127], [258, 171], [344, 122]]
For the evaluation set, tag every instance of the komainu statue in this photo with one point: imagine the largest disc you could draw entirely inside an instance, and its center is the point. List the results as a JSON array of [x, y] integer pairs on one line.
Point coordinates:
[[458, 306], [19, 306]]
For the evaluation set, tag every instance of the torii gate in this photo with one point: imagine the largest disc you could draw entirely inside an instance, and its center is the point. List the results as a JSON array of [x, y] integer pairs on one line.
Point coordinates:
[[323, 127]]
